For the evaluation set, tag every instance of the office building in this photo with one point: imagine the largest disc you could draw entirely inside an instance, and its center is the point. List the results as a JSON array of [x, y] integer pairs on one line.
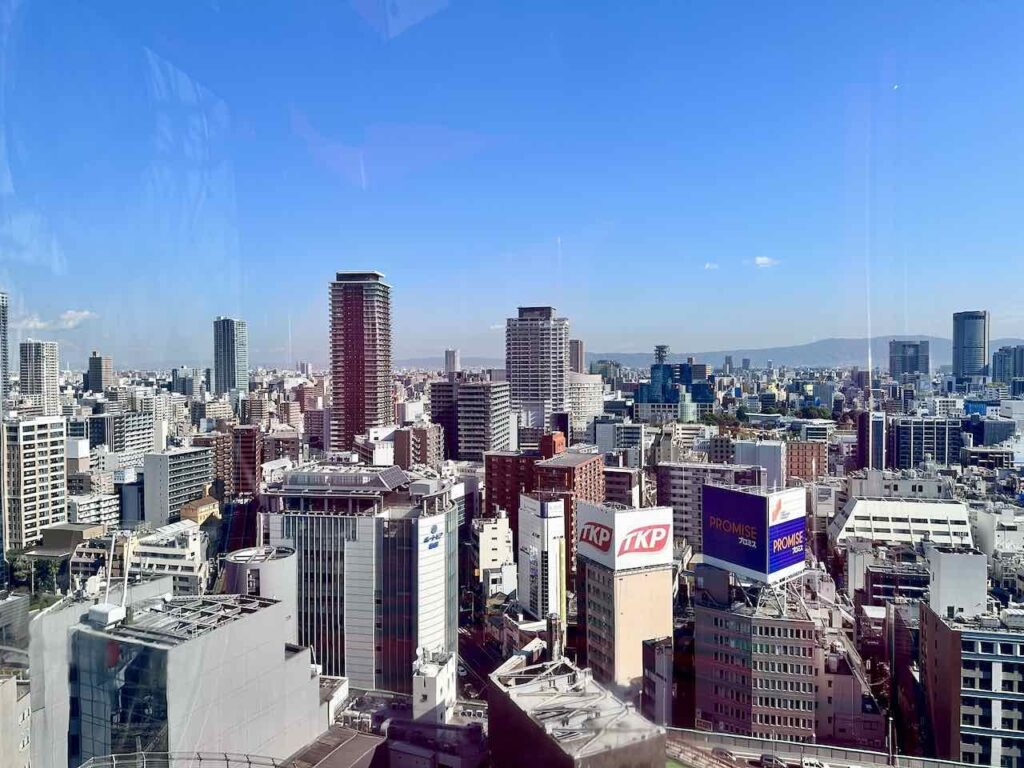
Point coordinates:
[[452, 363], [100, 375], [475, 417], [902, 521], [15, 721], [159, 678], [871, 440], [907, 358], [585, 393], [377, 556], [555, 715], [34, 485], [970, 662], [129, 435], [230, 356], [419, 444], [680, 486], [360, 356], [577, 356], [537, 366], [624, 485], [542, 555], [173, 477], [1008, 364], [771, 663], [40, 375], [970, 345], [268, 572], [806, 460], [912, 438], [5, 365], [623, 589]]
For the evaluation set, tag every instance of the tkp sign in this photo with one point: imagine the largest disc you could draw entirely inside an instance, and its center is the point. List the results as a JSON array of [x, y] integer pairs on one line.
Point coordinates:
[[596, 535], [649, 538]]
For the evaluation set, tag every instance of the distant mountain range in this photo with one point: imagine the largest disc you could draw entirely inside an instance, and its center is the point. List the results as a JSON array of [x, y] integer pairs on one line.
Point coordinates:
[[824, 352]]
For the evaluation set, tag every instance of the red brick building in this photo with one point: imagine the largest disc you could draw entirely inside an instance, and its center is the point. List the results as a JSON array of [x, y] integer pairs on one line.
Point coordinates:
[[806, 460], [247, 452]]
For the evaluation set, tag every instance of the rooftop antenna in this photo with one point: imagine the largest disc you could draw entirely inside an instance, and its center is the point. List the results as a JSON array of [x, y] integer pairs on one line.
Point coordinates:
[[661, 354]]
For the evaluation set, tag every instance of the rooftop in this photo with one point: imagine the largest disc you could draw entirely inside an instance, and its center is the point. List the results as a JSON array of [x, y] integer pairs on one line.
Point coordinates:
[[581, 717], [170, 622], [570, 459]]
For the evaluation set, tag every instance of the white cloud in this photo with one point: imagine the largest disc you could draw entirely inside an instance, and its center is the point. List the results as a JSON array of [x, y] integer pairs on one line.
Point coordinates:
[[497, 327], [68, 320], [710, 265], [763, 262]]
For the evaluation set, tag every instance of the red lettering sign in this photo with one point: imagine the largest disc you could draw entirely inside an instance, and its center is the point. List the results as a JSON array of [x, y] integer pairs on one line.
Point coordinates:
[[650, 538], [596, 535]]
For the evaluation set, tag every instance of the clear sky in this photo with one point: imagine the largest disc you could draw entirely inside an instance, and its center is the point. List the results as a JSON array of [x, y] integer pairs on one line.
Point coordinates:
[[705, 174]]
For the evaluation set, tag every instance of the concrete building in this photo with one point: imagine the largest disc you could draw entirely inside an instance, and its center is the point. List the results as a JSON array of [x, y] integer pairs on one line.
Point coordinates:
[[160, 678], [970, 345], [95, 509], [475, 415], [15, 722], [770, 454], [871, 440], [221, 448], [585, 393], [908, 357], [624, 485], [5, 370], [658, 686], [537, 366], [34, 486], [173, 477], [452, 363], [494, 547], [128, 434], [230, 356], [1008, 364], [970, 665], [542, 555], [806, 460], [943, 522], [773, 662], [100, 375], [269, 572], [577, 356], [246, 458], [554, 714], [39, 381], [906, 484], [420, 444], [623, 589], [360, 352], [680, 486], [377, 558]]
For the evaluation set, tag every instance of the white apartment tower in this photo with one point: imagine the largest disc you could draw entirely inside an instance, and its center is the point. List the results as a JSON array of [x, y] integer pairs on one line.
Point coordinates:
[[34, 484], [5, 370], [230, 355], [40, 375], [542, 553], [452, 362], [537, 367]]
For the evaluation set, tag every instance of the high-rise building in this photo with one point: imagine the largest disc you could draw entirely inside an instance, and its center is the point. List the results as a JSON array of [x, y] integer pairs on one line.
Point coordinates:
[[623, 588], [377, 558], [40, 375], [908, 357], [912, 438], [577, 356], [34, 486], [537, 366], [475, 417], [173, 477], [770, 454], [129, 434], [452, 363], [360, 341], [871, 440], [5, 364], [230, 355], [542, 555], [585, 394], [1008, 364], [246, 458], [970, 344], [101, 373]]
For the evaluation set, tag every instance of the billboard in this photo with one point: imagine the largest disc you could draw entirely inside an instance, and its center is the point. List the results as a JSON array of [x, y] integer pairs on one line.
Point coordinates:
[[624, 537], [755, 535]]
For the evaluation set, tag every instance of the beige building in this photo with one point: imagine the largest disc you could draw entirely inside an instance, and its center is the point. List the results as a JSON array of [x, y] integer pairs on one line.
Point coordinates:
[[34, 481], [624, 588]]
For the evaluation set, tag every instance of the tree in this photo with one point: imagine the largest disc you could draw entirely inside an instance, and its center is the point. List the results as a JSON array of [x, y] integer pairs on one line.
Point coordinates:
[[741, 415]]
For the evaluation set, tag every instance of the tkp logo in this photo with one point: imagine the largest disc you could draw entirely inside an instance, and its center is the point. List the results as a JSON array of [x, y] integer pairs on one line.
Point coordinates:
[[596, 535], [650, 538]]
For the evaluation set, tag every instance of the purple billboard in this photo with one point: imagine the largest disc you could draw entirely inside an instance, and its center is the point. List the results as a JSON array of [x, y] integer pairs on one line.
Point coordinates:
[[754, 534], [734, 527]]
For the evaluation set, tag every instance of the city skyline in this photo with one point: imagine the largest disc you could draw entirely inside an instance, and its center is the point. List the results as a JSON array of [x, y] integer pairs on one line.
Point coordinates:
[[548, 155]]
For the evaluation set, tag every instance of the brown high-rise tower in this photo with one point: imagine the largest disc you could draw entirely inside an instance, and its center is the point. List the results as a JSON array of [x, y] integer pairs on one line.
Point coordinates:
[[360, 356]]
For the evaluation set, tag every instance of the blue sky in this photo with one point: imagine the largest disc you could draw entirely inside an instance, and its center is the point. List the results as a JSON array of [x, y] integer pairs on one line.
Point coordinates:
[[702, 174]]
